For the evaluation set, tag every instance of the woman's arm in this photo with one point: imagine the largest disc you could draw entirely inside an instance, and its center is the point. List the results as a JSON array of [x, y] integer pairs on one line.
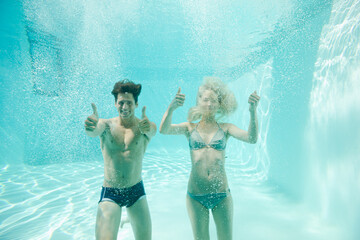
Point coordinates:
[[251, 135], [253, 128], [174, 129]]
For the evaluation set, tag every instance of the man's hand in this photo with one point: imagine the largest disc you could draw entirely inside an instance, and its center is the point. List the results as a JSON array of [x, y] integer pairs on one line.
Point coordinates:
[[253, 101], [178, 100], [144, 123], [92, 120]]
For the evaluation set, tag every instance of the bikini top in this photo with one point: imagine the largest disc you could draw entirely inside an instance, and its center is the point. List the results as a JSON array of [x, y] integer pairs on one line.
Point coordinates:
[[218, 142]]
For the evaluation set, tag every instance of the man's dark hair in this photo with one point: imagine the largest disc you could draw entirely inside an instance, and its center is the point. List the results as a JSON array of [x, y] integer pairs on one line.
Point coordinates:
[[126, 86]]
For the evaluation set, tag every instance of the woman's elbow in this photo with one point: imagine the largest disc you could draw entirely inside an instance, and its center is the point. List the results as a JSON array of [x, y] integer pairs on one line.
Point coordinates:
[[162, 130], [252, 140]]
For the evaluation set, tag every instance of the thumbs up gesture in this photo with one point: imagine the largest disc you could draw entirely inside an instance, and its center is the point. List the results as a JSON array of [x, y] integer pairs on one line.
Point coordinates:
[[92, 120], [253, 101], [178, 100], [144, 123]]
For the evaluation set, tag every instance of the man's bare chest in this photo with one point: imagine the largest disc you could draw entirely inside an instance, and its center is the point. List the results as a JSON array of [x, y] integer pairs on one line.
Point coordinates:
[[122, 138]]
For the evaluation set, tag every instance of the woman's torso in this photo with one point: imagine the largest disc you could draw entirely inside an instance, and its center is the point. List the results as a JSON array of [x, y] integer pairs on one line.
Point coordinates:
[[207, 150]]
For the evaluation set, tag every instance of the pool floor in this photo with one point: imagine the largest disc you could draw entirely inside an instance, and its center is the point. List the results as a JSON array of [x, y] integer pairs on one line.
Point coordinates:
[[60, 202]]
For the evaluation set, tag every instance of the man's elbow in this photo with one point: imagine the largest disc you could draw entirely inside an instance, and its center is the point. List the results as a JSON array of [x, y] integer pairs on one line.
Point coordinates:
[[90, 134], [154, 129]]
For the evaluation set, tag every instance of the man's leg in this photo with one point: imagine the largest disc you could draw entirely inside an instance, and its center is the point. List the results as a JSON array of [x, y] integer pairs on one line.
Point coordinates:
[[140, 220], [107, 220]]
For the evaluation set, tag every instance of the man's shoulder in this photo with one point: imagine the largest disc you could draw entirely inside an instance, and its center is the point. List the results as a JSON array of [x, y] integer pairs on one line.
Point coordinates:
[[109, 120], [107, 126]]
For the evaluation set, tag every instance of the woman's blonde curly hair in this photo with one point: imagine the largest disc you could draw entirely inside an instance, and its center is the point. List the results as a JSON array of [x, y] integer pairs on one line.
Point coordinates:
[[226, 98]]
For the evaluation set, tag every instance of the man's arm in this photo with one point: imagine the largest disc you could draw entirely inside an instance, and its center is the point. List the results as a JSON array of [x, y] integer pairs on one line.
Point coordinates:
[[152, 131], [98, 130], [93, 125], [145, 126]]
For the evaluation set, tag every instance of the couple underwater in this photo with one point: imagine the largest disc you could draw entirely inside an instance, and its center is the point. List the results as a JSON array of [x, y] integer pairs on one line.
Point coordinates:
[[123, 141]]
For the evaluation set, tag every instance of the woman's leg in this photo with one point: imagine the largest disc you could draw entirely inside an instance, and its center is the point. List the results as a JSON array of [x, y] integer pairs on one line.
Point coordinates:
[[199, 218], [223, 218]]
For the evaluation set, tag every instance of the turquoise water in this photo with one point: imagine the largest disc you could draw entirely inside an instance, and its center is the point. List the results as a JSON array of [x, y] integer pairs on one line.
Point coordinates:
[[300, 181]]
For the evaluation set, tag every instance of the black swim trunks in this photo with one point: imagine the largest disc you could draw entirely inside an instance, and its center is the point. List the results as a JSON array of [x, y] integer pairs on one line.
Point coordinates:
[[123, 196]]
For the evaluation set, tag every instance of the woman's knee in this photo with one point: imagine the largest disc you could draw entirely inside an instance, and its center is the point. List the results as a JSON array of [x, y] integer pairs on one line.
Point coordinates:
[[201, 233]]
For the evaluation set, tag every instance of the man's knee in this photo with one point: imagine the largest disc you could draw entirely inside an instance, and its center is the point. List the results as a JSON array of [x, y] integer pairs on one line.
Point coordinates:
[[142, 229]]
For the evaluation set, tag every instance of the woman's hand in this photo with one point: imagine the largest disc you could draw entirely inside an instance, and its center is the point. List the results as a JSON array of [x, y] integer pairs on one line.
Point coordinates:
[[253, 101], [177, 101]]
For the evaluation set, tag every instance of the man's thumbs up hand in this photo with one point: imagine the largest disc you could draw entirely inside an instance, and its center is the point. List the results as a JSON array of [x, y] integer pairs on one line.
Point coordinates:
[[144, 123], [92, 120], [143, 114]]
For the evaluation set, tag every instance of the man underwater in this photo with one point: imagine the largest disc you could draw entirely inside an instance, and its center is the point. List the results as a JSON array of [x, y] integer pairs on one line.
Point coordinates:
[[123, 142]]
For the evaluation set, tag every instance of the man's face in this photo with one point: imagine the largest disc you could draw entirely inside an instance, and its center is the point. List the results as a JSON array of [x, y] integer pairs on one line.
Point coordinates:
[[125, 105]]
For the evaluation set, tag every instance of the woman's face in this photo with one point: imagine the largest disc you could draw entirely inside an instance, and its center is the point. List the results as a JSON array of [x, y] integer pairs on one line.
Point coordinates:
[[208, 102]]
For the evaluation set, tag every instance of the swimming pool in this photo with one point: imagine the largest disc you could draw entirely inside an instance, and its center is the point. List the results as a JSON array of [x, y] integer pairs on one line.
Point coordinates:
[[300, 181]]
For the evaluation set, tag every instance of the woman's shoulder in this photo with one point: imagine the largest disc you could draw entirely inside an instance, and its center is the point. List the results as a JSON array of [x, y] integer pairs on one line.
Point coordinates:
[[190, 126], [225, 126]]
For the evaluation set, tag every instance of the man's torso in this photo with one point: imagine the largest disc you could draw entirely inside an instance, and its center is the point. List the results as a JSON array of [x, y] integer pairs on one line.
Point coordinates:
[[123, 149]]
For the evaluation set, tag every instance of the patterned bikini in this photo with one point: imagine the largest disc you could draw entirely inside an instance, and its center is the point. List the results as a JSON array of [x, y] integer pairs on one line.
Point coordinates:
[[218, 142]]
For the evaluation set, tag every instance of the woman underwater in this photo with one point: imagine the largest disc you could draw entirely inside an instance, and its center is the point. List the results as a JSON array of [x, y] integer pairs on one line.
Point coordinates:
[[208, 186]]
